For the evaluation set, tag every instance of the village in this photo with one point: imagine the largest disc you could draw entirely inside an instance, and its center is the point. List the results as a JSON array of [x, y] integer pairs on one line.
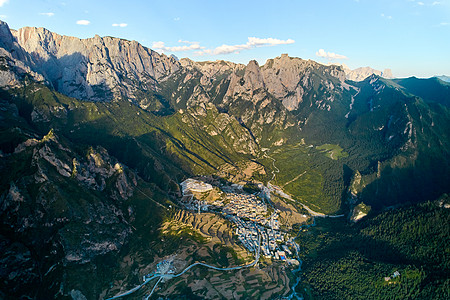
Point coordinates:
[[251, 216]]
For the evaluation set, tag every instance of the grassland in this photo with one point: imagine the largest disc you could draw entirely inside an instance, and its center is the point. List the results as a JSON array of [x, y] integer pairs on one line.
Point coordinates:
[[332, 151]]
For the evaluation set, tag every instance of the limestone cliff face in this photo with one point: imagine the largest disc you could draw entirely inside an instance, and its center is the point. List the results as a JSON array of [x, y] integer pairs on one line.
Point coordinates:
[[14, 61], [288, 79], [106, 68], [211, 71], [95, 69], [249, 85], [285, 79]]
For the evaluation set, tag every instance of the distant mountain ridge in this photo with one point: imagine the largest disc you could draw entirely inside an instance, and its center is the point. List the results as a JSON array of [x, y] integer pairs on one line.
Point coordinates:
[[359, 74], [443, 78]]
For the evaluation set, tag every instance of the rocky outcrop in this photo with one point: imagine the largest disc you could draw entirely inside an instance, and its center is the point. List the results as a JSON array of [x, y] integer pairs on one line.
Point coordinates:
[[221, 125], [66, 206], [55, 170]]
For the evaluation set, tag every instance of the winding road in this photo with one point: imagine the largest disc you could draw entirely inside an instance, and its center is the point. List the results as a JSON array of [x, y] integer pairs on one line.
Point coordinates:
[[133, 289], [170, 276]]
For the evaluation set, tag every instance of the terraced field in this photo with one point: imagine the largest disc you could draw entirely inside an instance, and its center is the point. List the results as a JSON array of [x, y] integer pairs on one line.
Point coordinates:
[[220, 247]]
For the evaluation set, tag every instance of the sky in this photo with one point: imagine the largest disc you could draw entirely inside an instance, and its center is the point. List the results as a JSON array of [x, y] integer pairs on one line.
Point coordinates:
[[408, 36]]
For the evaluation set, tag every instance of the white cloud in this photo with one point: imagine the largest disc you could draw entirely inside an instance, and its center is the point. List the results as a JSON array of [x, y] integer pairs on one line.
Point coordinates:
[[420, 3], [120, 25], [162, 47], [386, 17], [2, 2], [252, 42], [330, 55], [176, 19], [48, 14], [268, 42], [83, 22], [436, 3], [187, 42], [444, 24]]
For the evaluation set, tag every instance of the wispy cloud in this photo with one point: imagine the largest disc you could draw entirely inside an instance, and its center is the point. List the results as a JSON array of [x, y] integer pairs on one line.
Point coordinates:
[[253, 42], [83, 22], [177, 19], [120, 25], [330, 55], [48, 14], [187, 42], [444, 24], [386, 17], [160, 46], [2, 2], [426, 3]]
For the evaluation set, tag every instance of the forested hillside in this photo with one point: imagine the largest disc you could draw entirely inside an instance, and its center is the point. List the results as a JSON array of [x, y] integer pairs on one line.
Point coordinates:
[[359, 261]]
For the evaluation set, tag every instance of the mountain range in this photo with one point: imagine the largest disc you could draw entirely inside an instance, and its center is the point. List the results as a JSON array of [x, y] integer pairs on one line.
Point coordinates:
[[96, 134]]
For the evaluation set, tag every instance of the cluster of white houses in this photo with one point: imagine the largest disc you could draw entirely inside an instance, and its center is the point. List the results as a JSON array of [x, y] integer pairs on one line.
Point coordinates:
[[250, 215], [248, 233], [246, 206]]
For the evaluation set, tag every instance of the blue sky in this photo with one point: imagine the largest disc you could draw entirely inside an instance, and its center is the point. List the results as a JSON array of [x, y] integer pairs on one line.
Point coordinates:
[[411, 37]]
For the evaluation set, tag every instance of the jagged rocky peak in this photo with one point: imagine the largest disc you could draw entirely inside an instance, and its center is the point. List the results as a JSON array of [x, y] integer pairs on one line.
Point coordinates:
[[282, 76], [288, 78], [210, 70], [96, 69], [248, 85], [211, 67], [253, 76], [14, 61], [6, 38]]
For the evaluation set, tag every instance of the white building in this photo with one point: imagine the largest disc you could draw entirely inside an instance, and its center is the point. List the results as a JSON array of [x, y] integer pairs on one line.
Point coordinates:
[[195, 186]]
